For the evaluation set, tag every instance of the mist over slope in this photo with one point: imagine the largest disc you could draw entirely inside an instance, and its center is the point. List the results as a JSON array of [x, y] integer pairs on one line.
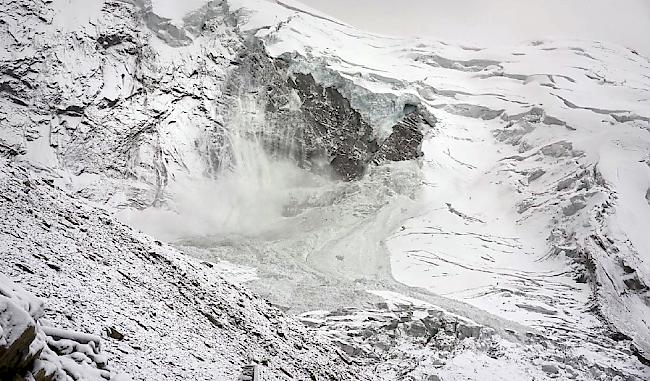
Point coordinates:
[[426, 210]]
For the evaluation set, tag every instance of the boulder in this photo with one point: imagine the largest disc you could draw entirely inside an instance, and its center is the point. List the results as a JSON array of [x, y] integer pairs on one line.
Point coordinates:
[[17, 333]]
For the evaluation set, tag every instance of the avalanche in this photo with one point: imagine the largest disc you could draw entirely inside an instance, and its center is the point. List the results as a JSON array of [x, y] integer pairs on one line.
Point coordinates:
[[416, 209]]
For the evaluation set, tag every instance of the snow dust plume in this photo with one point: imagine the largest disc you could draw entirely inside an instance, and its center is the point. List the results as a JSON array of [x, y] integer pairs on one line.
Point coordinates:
[[248, 196]]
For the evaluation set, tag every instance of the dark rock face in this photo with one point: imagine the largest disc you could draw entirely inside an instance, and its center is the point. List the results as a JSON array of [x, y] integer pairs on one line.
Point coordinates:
[[334, 125], [308, 122], [320, 126], [405, 142]]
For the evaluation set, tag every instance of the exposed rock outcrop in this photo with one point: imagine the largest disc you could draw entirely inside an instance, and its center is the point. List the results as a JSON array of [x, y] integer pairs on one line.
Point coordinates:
[[405, 142], [18, 333], [311, 122], [346, 136]]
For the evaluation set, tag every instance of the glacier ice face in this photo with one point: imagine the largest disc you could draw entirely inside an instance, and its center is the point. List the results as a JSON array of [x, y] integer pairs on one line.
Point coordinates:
[[160, 100]]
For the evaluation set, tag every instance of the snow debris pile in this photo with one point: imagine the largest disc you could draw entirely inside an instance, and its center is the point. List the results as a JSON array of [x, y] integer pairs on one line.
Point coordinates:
[[32, 350], [407, 338], [399, 338]]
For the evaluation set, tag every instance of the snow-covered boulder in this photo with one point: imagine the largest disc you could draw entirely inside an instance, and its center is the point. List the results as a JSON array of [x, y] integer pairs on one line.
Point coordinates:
[[30, 350]]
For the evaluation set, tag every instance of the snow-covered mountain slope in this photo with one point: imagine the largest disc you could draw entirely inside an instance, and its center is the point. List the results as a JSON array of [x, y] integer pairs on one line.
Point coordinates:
[[97, 88], [536, 178], [493, 228], [160, 314]]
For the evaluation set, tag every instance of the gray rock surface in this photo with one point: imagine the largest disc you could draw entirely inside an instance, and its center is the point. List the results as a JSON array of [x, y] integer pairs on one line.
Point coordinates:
[[405, 141]]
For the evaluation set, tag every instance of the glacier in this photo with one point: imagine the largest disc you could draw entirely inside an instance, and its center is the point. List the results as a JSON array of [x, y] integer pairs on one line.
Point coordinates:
[[410, 208]]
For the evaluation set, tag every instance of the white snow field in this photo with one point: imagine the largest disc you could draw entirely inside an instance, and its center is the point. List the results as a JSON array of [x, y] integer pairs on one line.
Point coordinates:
[[515, 248]]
